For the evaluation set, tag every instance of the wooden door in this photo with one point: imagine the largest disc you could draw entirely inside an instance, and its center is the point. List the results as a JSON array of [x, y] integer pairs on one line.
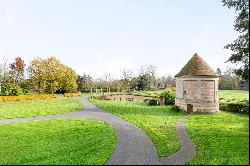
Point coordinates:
[[189, 108]]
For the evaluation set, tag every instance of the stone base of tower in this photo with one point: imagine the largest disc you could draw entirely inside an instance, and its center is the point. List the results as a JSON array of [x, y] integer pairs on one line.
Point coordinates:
[[198, 106]]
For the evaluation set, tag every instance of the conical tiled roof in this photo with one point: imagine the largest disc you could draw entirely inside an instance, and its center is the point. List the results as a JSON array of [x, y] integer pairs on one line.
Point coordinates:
[[196, 66]]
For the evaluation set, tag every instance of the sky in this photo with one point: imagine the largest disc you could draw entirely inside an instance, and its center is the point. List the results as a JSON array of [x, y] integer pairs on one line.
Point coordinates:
[[105, 36]]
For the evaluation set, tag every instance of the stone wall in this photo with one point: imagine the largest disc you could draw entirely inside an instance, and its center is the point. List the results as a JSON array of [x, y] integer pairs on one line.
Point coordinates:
[[201, 92]]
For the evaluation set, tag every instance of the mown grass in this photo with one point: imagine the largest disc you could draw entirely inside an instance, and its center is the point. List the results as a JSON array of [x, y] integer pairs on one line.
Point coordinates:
[[148, 93], [71, 141], [157, 121], [221, 138], [38, 108], [233, 96]]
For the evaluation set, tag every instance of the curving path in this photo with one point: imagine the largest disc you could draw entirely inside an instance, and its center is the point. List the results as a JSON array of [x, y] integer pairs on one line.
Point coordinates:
[[187, 150], [133, 147]]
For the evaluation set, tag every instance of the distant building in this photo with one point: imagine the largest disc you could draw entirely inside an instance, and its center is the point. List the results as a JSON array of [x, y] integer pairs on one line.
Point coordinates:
[[197, 87]]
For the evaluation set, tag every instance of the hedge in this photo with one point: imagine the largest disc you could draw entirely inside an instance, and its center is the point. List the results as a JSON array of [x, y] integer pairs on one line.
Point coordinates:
[[26, 97], [240, 107]]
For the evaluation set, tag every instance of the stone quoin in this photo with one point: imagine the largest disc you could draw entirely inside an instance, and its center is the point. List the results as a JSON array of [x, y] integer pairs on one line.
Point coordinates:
[[197, 87]]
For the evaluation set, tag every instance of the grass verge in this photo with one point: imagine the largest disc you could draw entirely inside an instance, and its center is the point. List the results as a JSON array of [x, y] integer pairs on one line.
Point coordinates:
[[38, 108], [58, 141], [221, 138]]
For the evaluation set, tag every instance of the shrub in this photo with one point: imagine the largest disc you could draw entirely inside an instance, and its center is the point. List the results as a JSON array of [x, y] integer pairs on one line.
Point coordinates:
[[240, 107], [169, 96], [26, 97], [72, 94], [175, 108], [153, 102]]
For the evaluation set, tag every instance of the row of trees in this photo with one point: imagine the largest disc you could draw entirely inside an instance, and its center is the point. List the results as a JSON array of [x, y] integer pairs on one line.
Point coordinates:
[[51, 76], [128, 82], [230, 81], [41, 76]]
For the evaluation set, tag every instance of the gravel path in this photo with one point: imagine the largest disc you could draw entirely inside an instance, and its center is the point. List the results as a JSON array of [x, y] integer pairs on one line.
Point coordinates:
[[133, 147]]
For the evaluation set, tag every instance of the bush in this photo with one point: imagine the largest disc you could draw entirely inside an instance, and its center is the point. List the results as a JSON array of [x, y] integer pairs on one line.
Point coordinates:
[[72, 94], [169, 96], [26, 97], [240, 107], [153, 102], [175, 108]]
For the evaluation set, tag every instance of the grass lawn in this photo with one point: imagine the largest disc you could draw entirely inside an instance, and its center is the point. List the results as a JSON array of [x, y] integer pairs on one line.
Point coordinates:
[[232, 96], [157, 121], [58, 141], [39, 107], [148, 93], [221, 138]]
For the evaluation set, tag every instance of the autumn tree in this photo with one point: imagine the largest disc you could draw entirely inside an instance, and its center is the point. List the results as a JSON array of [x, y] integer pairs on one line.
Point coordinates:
[[50, 75], [36, 70], [17, 70]]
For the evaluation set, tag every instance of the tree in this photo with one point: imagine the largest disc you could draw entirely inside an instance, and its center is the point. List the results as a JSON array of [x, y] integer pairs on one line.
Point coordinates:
[[147, 78], [36, 70], [50, 75], [5, 80], [85, 83], [240, 46], [218, 71], [229, 80], [17, 70], [107, 81], [67, 83], [126, 76]]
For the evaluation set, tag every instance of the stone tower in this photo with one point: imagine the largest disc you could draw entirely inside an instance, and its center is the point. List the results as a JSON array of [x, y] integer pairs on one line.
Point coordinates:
[[197, 87]]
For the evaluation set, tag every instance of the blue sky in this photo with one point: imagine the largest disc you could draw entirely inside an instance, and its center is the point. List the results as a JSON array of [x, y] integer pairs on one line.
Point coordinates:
[[104, 36]]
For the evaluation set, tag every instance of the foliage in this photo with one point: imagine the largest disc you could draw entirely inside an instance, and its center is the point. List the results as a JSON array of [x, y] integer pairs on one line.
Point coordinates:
[[242, 107], [85, 83], [240, 46], [220, 139], [126, 80], [169, 95], [12, 78], [158, 122], [175, 108], [50, 75], [234, 101], [72, 141], [72, 94], [38, 108], [26, 97], [153, 102], [146, 80], [167, 81], [230, 81], [17, 70]]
